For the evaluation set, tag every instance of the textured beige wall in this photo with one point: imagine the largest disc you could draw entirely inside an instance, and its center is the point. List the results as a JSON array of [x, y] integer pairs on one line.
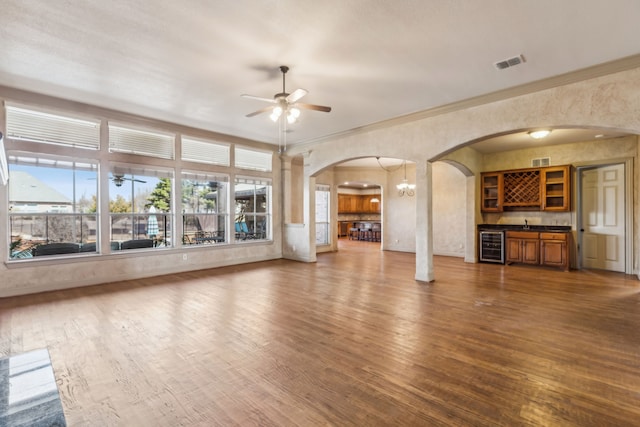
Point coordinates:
[[297, 211], [574, 154], [449, 210]]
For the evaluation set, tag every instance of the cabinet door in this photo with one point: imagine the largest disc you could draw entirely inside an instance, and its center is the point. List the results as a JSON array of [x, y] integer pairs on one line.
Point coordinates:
[[374, 207], [514, 250], [347, 203], [553, 253], [554, 249], [555, 185], [530, 251], [343, 203], [526, 251], [492, 191]]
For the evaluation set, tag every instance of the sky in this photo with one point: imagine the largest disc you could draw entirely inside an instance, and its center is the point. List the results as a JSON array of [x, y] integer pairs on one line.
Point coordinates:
[[86, 182]]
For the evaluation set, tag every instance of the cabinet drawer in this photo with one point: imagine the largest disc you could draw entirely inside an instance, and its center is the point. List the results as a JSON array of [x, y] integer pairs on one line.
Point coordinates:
[[553, 236], [523, 234]]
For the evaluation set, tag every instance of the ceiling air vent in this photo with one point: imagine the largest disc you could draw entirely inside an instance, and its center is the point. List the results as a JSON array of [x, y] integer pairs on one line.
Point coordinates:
[[511, 62], [541, 162]]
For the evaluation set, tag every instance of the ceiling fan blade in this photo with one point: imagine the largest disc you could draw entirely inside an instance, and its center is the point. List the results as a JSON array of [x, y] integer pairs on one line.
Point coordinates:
[[259, 98], [295, 95], [314, 107], [260, 111]]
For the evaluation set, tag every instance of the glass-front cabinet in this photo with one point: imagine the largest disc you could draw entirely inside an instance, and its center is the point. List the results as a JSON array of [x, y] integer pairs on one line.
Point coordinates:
[[555, 185], [492, 191]]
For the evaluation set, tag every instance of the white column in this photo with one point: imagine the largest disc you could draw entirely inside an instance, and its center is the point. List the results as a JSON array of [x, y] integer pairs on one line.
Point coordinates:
[[309, 200], [287, 198], [424, 220], [471, 240]]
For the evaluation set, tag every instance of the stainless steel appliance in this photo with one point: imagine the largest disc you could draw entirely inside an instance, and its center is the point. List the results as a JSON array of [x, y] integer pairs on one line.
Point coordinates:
[[492, 246]]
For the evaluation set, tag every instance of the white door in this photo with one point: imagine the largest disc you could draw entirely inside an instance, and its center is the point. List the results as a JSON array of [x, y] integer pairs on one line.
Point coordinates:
[[603, 218]]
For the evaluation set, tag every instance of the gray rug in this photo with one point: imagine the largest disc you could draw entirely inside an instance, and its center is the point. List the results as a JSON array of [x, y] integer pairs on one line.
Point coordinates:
[[28, 391]]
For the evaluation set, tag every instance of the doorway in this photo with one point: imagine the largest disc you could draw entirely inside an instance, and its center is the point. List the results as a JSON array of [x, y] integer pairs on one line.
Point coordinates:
[[359, 212], [603, 217]]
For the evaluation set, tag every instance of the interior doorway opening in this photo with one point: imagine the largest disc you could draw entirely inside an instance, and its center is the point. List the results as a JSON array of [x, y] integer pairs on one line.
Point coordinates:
[[360, 207]]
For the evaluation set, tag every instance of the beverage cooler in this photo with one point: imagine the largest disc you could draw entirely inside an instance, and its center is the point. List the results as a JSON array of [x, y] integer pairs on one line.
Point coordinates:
[[492, 246]]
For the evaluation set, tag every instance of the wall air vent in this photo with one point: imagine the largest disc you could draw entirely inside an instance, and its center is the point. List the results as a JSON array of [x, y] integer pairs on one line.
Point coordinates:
[[541, 162], [511, 62]]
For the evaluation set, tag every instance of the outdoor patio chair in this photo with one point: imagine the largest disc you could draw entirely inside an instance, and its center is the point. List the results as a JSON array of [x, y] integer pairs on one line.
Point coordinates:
[[88, 247], [136, 244], [56, 249]]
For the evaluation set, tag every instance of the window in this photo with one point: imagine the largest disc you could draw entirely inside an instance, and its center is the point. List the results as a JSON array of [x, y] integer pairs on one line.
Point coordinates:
[[253, 159], [205, 208], [323, 196], [140, 207], [4, 168], [24, 124], [58, 199], [203, 151], [52, 205], [253, 209], [142, 142]]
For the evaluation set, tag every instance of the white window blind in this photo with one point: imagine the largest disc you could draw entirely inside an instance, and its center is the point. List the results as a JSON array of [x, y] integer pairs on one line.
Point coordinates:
[[142, 142], [252, 180], [202, 151], [323, 187], [203, 177], [252, 159], [29, 125], [141, 171]]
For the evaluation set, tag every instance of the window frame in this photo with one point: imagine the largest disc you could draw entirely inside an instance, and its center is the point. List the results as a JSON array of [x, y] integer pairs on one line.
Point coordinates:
[[59, 226], [216, 224], [322, 188], [243, 232]]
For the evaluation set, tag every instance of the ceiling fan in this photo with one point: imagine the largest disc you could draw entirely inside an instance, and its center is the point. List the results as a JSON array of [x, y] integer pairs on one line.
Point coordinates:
[[285, 103], [118, 180]]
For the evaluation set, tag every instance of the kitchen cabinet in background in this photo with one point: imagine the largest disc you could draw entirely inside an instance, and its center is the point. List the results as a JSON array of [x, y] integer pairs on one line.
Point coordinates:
[[358, 204]]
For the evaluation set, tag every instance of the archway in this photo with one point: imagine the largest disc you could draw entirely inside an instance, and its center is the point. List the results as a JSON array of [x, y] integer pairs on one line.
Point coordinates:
[[434, 135]]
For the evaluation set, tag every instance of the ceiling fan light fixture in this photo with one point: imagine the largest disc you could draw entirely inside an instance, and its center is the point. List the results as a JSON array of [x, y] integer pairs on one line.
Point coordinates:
[[292, 115], [539, 134], [275, 115]]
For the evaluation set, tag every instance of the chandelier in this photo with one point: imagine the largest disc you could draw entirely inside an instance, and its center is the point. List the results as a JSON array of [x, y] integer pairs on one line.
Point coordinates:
[[404, 187]]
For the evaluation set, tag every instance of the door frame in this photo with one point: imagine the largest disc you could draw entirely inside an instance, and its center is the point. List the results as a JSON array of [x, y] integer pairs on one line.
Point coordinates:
[[628, 209]]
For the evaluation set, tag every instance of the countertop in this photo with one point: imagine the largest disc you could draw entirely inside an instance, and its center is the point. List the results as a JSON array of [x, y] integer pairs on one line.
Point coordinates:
[[518, 227]]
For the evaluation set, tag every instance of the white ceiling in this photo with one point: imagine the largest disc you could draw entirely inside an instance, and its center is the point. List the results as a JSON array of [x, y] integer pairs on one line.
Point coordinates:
[[371, 60]]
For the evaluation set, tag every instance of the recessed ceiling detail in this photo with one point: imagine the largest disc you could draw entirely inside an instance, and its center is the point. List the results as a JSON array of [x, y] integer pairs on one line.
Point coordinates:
[[510, 62]]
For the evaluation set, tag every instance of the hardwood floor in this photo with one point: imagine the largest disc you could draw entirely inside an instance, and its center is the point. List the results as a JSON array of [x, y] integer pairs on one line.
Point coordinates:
[[349, 340]]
